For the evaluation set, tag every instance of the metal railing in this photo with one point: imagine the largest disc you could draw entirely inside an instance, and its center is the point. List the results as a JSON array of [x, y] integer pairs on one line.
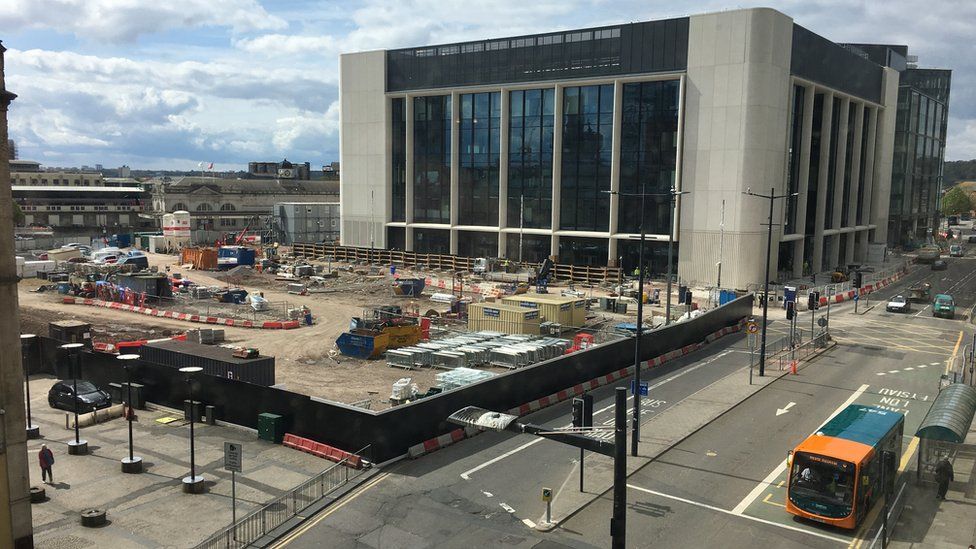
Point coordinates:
[[279, 510], [897, 506], [802, 351]]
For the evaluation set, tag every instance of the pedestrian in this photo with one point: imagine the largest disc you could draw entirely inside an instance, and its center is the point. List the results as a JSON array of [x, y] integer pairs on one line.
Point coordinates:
[[943, 474], [46, 459]]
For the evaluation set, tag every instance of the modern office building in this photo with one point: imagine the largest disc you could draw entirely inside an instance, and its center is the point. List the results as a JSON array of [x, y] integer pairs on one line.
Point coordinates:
[[542, 145], [920, 137]]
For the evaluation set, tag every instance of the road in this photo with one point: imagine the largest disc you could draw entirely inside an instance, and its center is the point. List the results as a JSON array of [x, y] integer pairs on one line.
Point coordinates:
[[721, 485]]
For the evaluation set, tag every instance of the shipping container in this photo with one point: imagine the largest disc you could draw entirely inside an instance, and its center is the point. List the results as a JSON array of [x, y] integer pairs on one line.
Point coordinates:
[[203, 259], [502, 317], [215, 361], [569, 312]]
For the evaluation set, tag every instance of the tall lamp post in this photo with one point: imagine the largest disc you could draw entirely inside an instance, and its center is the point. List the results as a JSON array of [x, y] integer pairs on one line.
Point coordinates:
[[192, 484], [635, 427], [76, 447], [133, 463], [27, 342], [772, 197]]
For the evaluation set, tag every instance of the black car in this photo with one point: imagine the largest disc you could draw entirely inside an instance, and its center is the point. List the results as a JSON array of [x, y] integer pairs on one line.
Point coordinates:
[[90, 397], [939, 265]]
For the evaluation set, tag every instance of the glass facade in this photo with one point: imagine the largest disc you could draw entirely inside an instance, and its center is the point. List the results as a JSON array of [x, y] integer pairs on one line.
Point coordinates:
[[530, 158], [587, 135], [477, 244], [479, 136], [396, 238], [794, 157], [535, 247], [432, 159], [648, 154], [835, 145], [431, 241], [398, 157], [655, 256], [583, 251]]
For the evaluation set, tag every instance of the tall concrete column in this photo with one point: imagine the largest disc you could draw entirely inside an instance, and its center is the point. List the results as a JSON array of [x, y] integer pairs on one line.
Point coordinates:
[[884, 151], [503, 140], [871, 120], [803, 177], [15, 512], [840, 149], [455, 166], [557, 164], [818, 239], [408, 173]]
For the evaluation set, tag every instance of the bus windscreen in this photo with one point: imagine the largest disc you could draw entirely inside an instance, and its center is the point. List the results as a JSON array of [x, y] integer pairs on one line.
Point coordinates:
[[821, 485]]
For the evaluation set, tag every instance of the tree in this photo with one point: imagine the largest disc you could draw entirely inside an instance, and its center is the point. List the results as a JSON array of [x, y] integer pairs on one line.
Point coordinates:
[[956, 201], [18, 215]]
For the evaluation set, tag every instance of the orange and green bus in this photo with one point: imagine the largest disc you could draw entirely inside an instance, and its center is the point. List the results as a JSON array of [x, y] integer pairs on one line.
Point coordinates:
[[835, 474]]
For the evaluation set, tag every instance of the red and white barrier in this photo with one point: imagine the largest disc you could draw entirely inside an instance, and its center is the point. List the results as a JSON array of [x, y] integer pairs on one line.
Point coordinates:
[[186, 317]]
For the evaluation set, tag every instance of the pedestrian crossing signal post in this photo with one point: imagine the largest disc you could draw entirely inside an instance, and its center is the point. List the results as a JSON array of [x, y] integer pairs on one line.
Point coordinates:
[[547, 497]]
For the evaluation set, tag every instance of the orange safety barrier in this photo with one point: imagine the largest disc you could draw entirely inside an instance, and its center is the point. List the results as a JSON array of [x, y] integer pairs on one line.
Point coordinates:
[[322, 450]]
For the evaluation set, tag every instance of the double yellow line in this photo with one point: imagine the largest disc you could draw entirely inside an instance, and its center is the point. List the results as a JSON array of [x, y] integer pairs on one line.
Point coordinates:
[[912, 446], [309, 525]]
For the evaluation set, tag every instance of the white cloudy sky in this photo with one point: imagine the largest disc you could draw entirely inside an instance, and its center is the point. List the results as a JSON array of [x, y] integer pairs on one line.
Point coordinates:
[[169, 83]]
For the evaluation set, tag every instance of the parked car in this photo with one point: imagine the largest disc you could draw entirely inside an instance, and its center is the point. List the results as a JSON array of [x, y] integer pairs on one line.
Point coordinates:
[[139, 260], [898, 304], [939, 265], [953, 220], [106, 260], [89, 398], [105, 252], [955, 250], [944, 306]]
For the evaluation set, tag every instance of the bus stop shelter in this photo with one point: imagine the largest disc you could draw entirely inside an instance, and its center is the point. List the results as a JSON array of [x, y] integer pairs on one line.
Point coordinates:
[[943, 431]]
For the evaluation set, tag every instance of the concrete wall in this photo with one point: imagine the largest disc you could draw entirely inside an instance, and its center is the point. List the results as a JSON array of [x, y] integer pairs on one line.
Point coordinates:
[[364, 150], [884, 151], [737, 99]]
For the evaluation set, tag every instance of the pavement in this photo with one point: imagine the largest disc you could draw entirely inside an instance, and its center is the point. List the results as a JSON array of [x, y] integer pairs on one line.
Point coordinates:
[[150, 509]]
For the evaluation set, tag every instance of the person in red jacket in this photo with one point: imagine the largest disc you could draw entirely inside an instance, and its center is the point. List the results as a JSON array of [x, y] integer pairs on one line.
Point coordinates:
[[46, 459]]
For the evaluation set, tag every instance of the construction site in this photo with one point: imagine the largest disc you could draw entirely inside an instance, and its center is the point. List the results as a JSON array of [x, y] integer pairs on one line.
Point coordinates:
[[370, 329]]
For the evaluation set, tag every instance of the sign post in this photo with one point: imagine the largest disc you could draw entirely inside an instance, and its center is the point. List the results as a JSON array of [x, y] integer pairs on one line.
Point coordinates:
[[751, 330], [232, 462], [547, 497]]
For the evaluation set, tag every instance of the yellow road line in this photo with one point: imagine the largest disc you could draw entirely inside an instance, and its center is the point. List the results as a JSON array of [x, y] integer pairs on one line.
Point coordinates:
[[304, 528], [955, 351], [766, 500]]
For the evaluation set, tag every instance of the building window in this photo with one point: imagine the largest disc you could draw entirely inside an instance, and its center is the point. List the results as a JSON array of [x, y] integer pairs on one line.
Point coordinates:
[[204, 207], [534, 248], [228, 222], [227, 207], [431, 241], [587, 128], [793, 158], [432, 159], [477, 244], [180, 207], [591, 252], [530, 158], [648, 155], [399, 159], [396, 238], [478, 158]]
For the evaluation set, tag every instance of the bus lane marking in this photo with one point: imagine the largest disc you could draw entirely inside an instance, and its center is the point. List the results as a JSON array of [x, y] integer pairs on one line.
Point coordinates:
[[781, 468]]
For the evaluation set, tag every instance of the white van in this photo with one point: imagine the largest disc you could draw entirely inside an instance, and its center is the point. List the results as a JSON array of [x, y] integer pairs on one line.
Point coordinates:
[[98, 255]]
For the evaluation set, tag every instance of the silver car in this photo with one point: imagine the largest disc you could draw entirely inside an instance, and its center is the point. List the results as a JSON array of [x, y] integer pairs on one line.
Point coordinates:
[[898, 304]]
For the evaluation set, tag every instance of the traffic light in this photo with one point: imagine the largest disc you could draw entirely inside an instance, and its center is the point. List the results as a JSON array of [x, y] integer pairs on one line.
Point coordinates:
[[813, 301], [688, 298], [790, 310], [858, 279], [583, 411]]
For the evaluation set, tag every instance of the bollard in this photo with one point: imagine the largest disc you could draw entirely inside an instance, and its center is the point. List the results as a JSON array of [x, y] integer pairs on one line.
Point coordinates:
[[793, 367]]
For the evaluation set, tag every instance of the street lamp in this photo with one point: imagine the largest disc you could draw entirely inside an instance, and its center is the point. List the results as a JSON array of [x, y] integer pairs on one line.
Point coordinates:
[[192, 484], [772, 197], [635, 428], [26, 344], [133, 463], [76, 447]]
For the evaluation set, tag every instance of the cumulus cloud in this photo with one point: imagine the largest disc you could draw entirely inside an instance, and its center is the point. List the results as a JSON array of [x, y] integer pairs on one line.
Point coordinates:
[[125, 20]]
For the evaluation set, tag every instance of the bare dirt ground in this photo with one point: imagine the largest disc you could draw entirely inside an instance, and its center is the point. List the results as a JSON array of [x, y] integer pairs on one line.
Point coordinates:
[[302, 360]]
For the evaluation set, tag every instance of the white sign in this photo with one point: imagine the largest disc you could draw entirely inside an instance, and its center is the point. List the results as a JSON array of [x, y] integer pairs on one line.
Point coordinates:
[[233, 454]]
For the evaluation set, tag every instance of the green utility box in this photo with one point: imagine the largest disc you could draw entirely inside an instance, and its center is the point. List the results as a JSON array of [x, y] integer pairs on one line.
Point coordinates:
[[271, 427]]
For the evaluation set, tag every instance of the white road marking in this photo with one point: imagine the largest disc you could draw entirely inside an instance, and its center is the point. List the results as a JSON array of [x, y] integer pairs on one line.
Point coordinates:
[[935, 363], [923, 365], [908, 368], [768, 481], [893, 371], [880, 374], [467, 474], [727, 512], [783, 410], [922, 310], [507, 507], [487, 494], [528, 523]]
